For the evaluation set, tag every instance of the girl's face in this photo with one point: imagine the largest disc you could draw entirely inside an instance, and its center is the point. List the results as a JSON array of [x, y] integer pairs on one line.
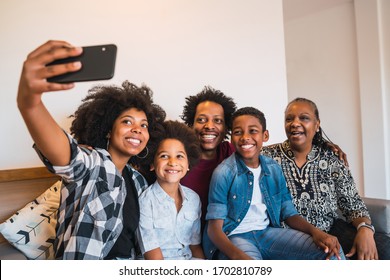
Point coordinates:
[[301, 124], [129, 134], [170, 162], [248, 137], [209, 125]]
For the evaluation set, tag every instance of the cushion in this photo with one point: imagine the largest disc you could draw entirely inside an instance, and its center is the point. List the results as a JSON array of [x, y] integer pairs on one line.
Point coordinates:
[[380, 213], [32, 229]]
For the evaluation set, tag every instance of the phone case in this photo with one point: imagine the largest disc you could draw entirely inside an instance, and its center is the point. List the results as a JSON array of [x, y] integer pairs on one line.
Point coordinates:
[[98, 63]]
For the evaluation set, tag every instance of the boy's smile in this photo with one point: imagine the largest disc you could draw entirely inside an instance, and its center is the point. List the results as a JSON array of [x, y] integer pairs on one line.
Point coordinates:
[[248, 137]]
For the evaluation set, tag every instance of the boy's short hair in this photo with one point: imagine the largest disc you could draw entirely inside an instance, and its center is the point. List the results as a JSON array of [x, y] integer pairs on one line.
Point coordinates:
[[251, 111]]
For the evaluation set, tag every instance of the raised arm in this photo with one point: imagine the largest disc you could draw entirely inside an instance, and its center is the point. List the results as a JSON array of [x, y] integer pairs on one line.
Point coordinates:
[[46, 133]]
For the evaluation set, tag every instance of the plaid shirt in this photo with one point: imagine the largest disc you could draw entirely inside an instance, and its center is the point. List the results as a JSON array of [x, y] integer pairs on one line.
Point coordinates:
[[92, 197]]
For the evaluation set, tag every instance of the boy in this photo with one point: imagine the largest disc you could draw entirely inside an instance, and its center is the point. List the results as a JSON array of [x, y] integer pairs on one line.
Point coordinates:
[[249, 200]]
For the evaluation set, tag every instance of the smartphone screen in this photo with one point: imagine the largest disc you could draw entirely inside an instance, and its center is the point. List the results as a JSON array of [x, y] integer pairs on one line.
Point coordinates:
[[98, 63]]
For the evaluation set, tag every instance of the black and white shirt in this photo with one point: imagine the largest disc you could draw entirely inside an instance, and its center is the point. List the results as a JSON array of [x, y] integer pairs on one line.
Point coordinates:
[[92, 198], [320, 187]]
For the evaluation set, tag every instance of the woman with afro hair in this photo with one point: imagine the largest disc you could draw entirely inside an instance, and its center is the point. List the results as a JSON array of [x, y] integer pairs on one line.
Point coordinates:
[[99, 209]]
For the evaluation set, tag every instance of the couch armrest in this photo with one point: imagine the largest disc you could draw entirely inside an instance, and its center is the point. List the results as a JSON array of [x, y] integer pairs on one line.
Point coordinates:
[[8, 252], [380, 213]]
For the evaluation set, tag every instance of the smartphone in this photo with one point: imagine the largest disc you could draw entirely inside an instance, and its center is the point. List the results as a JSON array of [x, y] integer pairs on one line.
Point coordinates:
[[98, 63]]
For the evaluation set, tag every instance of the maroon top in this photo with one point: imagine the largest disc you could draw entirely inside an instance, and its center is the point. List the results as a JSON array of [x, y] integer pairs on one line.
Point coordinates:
[[198, 178]]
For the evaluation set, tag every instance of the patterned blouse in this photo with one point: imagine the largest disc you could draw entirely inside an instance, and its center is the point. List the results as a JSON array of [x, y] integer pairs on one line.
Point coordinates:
[[320, 187]]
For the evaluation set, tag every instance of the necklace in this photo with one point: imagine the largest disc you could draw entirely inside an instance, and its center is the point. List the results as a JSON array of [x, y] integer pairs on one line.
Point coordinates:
[[301, 177]]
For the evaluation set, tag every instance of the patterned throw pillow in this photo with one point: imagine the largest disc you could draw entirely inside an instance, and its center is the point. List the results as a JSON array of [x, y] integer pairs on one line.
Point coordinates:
[[32, 229]]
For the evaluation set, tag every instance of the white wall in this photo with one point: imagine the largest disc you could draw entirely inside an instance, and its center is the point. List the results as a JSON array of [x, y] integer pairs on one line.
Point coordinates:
[[373, 55], [321, 63], [384, 18], [174, 46], [338, 55]]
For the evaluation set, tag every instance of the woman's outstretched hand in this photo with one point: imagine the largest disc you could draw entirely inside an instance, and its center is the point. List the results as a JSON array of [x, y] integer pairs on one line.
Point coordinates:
[[35, 71], [48, 136]]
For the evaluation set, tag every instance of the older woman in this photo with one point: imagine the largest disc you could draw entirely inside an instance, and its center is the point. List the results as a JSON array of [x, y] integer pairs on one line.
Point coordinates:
[[320, 183]]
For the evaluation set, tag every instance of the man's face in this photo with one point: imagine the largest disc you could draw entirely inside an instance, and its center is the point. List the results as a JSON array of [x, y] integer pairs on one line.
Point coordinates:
[[209, 126]]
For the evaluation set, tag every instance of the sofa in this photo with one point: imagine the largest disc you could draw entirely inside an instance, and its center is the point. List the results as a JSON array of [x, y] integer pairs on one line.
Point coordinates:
[[20, 188], [380, 213], [26, 187]]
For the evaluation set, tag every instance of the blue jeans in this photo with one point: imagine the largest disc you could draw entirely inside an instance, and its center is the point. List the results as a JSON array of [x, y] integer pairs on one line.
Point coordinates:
[[278, 244]]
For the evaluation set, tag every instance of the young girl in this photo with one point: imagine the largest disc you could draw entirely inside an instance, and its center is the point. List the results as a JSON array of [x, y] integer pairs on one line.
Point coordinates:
[[170, 213], [99, 209]]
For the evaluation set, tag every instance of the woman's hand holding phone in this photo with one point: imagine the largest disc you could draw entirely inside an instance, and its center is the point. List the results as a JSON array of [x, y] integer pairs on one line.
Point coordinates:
[[97, 63], [33, 81]]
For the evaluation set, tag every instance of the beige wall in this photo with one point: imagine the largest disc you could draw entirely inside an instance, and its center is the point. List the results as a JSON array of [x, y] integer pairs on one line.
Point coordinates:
[[336, 55], [373, 55], [174, 46]]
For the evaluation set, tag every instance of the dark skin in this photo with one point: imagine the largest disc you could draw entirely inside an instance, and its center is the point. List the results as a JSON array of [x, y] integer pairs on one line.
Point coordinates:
[[301, 124], [248, 137], [337, 150], [46, 133]]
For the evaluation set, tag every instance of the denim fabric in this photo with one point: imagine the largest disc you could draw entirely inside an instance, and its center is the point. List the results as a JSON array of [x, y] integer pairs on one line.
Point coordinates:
[[231, 193], [278, 244]]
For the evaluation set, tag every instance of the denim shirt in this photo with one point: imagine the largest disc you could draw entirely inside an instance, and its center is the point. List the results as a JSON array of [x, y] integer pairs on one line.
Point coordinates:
[[231, 193]]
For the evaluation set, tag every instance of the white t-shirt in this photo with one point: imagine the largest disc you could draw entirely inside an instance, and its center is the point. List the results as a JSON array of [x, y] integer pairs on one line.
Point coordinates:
[[256, 218]]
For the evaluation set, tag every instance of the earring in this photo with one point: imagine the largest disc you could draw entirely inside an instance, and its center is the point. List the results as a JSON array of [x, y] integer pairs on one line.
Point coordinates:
[[147, 152], [108, 143], [108, 140]]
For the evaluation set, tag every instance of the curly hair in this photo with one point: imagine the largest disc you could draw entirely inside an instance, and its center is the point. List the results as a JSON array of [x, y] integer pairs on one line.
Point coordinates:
[[209, 94], [184, 134], [251, 112], [94, 118], [173, 130]]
